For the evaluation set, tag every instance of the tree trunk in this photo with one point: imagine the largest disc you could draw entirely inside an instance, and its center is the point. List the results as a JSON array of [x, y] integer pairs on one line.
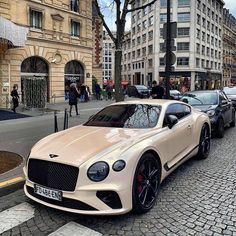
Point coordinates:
[[119, 96]]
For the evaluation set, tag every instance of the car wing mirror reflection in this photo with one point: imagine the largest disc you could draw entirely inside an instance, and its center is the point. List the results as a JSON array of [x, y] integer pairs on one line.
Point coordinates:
[[171, 121]]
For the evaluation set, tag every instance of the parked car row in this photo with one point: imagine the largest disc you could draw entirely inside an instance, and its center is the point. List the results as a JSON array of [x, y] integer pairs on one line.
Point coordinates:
[[216, 105]]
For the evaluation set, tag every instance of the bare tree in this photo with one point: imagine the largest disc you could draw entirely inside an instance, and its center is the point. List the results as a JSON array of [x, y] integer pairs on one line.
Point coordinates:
[[122, 9]]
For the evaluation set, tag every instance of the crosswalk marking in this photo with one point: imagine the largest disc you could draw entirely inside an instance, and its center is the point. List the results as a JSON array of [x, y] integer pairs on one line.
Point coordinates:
[[15, 216], [74, 229]]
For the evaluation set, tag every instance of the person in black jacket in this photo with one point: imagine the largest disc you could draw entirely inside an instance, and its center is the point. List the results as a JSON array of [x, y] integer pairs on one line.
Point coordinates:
[[73, 98], [157, 90], [15, 98]]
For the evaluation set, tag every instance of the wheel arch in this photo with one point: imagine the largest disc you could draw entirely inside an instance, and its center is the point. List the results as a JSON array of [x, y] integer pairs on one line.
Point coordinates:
[[156, 155]]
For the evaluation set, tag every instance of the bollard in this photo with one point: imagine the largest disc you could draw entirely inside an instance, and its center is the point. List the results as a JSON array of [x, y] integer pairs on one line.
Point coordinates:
[[65, 119], [55, 122]]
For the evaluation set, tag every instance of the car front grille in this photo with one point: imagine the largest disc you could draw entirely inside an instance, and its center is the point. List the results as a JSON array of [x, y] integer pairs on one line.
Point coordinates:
[[53, 175]]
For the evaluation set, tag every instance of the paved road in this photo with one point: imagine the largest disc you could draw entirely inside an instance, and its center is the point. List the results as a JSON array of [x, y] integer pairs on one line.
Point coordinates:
[[199, 198]]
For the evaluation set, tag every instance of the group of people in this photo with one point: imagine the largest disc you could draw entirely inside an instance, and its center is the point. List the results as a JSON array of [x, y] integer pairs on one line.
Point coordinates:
[[108, 89]]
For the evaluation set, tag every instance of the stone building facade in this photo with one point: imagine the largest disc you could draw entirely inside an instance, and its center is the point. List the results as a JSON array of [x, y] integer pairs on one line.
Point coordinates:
[[229, 46], [198, 42], [58, 49]]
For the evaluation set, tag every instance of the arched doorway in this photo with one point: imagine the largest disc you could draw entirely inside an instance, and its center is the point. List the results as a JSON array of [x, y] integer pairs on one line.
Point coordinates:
[[34, 82], [74, 73]]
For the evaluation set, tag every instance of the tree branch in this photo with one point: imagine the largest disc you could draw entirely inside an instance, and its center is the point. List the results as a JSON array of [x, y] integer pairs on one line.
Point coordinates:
[[142, 7], [103, 21]]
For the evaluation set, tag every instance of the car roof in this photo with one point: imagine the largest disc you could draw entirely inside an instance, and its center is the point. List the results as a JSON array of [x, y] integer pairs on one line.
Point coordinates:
[[157, 102], [204, 91]]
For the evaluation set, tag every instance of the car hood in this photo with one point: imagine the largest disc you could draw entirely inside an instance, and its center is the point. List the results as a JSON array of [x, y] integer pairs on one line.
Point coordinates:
[[205, 108], [78, 144], [232, 97]]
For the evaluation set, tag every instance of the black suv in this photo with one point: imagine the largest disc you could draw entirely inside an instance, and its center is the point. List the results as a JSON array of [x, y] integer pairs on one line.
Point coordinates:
[[217, 106], [139, 91]]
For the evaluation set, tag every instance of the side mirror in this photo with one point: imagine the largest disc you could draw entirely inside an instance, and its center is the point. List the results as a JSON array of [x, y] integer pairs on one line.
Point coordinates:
[[171, 121], [224, 102]]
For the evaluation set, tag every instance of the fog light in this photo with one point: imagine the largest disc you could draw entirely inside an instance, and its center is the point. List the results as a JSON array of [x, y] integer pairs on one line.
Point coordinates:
[[118, 165]]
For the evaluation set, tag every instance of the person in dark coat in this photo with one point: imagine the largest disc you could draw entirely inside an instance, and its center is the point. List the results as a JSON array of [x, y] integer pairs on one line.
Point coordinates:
[[157, 90], [73, 98], [15, 98], [98, 91]]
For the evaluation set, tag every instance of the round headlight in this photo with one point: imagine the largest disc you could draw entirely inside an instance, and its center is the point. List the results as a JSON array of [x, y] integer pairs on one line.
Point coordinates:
[[98, 171], [118, 165]]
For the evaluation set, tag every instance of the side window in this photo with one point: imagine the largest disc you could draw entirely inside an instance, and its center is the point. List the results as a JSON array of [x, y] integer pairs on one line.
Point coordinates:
[[179, 110], [223, 97]]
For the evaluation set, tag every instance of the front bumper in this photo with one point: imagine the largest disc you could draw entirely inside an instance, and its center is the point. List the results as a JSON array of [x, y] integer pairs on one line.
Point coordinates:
[[85, 200]]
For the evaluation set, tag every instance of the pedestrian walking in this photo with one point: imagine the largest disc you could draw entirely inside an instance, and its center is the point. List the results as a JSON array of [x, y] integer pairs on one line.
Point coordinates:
[[98, 91], [15, 98], [109, 91], [83, 93], [157, 90], [73, 98]]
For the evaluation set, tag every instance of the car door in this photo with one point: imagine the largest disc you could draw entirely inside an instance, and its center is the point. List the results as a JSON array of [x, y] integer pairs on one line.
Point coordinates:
[[177, 141], [226, 107]]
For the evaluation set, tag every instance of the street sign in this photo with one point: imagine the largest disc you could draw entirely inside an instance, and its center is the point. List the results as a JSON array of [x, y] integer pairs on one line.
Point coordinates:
[[172, 60], [173, 30]]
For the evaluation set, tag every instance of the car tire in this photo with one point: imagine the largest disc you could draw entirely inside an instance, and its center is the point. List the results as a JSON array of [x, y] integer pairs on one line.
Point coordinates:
[[232, 124], [204, 142], [220, 128], [146, 183]]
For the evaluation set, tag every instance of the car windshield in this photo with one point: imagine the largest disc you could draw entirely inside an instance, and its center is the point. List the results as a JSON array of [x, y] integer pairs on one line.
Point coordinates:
[[136, 116], [200, 98], [174, 92], [230, 91], [141, 87]]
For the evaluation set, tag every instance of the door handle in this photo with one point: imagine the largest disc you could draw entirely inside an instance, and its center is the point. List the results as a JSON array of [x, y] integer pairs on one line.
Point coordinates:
[[189, 126]]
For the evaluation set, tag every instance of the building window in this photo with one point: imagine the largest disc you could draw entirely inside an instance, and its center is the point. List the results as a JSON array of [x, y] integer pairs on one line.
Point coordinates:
[[198, 48], [150, 49], [36, 19], [184, 3], [182, 46], [183, 32], [74, 5], [182, 61], [183, 17], [150, 35], [75, 28], [203, 50], [198, 34], [162, 61], [150, 63], [144, 38], [197, 62], [144, 24], [150, 21], [163, 18], [144, 51]]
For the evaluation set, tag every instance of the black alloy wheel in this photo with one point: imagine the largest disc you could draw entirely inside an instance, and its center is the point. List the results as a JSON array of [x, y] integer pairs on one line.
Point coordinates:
[[204, 143], [220, 128], [146, 183], [232, 123]]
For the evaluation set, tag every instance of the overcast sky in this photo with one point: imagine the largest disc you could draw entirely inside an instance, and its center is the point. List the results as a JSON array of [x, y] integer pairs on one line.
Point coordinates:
[[231, 5]]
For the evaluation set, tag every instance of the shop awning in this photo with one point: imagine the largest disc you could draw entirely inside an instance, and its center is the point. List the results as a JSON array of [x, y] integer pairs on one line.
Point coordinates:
[[16, 35]]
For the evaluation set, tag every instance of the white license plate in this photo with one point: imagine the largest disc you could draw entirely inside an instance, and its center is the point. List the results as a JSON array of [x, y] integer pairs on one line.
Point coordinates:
[[48, 193]]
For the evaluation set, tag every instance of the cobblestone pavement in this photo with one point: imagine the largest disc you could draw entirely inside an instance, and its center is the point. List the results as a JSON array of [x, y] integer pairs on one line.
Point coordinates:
[[199, 198]]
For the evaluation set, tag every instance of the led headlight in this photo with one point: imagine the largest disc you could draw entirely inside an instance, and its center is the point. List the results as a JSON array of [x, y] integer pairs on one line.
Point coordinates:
[[118, 165], [98, 171], [210, 113]]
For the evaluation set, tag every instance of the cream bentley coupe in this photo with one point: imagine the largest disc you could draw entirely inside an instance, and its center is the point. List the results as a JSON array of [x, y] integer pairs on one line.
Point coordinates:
[[116, 161]]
